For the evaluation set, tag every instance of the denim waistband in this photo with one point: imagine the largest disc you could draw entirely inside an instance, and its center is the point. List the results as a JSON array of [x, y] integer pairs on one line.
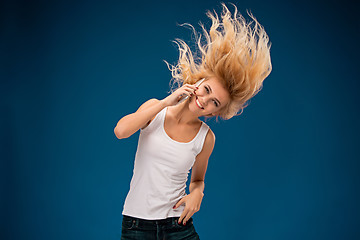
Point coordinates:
[[139, 222]]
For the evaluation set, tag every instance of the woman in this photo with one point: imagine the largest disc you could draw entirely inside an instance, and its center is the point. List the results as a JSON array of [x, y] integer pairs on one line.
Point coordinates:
[[234, 62]]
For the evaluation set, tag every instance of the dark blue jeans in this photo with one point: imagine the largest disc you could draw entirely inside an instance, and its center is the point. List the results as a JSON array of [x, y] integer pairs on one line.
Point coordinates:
[[164, 229]]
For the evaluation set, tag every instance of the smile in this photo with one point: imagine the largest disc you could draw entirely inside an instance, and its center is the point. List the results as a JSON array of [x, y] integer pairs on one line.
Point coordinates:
[[198, 103]]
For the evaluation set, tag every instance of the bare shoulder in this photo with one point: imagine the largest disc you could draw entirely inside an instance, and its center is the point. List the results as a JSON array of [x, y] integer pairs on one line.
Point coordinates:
[[209, 143], [210, 138]]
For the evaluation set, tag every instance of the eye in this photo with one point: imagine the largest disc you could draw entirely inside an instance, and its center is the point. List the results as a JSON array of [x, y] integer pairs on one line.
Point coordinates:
[[207, 90]]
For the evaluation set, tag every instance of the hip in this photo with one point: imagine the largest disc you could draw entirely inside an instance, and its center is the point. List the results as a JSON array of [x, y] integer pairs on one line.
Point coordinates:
[[168, 228]]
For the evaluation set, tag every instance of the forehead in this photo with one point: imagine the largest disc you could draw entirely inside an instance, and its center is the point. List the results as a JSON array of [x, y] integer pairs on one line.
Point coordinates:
[[217, 89]]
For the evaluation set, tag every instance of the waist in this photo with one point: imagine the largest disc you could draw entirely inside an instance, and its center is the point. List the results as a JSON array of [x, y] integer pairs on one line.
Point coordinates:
[[152, 224]]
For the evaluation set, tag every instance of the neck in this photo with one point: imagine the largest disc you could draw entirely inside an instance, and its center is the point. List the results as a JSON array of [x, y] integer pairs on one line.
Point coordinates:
[[182, 114]]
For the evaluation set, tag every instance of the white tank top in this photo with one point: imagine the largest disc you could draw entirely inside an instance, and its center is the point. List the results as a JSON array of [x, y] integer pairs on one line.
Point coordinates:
[[161, 171]]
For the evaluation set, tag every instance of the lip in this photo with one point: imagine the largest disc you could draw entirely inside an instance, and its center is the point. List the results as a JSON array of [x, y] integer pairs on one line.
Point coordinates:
[[196, 99]]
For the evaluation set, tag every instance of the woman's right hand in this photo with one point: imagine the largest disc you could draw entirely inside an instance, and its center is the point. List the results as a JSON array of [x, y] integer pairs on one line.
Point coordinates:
[[176, 96]]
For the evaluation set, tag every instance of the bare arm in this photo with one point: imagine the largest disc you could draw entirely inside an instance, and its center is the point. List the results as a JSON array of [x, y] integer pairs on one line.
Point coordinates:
[[200, 166], [131, 123]]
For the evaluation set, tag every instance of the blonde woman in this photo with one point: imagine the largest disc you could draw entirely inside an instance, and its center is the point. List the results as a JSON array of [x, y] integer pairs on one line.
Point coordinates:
[[229, 69]]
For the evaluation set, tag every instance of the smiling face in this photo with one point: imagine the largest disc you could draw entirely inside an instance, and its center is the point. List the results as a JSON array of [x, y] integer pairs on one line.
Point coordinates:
[[211, 96]]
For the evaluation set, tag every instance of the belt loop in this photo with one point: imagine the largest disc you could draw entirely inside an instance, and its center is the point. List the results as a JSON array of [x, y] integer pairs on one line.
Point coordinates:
[[137, 222]]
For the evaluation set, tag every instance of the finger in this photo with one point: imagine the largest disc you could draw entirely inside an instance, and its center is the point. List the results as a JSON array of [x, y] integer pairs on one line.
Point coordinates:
[[192, 90], [188, 216], [183, 215], [194, 86], [178, 203], [189, 92], [182, 96], [190, 87]]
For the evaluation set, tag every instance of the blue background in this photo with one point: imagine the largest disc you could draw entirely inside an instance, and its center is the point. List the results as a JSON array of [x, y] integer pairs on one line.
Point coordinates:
[[287, 168]]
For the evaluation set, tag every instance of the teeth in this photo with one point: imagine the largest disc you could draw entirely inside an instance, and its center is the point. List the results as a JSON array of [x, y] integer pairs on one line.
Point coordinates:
[[198, 103]]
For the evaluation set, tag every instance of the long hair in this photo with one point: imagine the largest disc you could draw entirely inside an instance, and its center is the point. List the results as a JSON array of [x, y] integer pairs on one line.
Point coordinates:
[[234, 52]]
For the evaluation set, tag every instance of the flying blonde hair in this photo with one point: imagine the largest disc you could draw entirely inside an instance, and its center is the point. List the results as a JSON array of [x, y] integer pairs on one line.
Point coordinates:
[[236, 54]]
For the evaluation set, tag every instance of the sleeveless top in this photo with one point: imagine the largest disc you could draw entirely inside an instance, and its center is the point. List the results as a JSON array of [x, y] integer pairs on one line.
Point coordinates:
[[161, 171]]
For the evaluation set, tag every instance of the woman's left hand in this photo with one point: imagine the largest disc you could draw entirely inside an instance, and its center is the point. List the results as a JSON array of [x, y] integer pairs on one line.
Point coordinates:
[[192, 205]]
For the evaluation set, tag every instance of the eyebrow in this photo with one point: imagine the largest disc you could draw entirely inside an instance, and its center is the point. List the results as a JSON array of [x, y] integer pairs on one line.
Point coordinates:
[[215, 98]]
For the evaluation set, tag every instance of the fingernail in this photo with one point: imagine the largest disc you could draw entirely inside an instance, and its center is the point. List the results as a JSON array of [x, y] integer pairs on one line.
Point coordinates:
[[197, 88], [184, 223]]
